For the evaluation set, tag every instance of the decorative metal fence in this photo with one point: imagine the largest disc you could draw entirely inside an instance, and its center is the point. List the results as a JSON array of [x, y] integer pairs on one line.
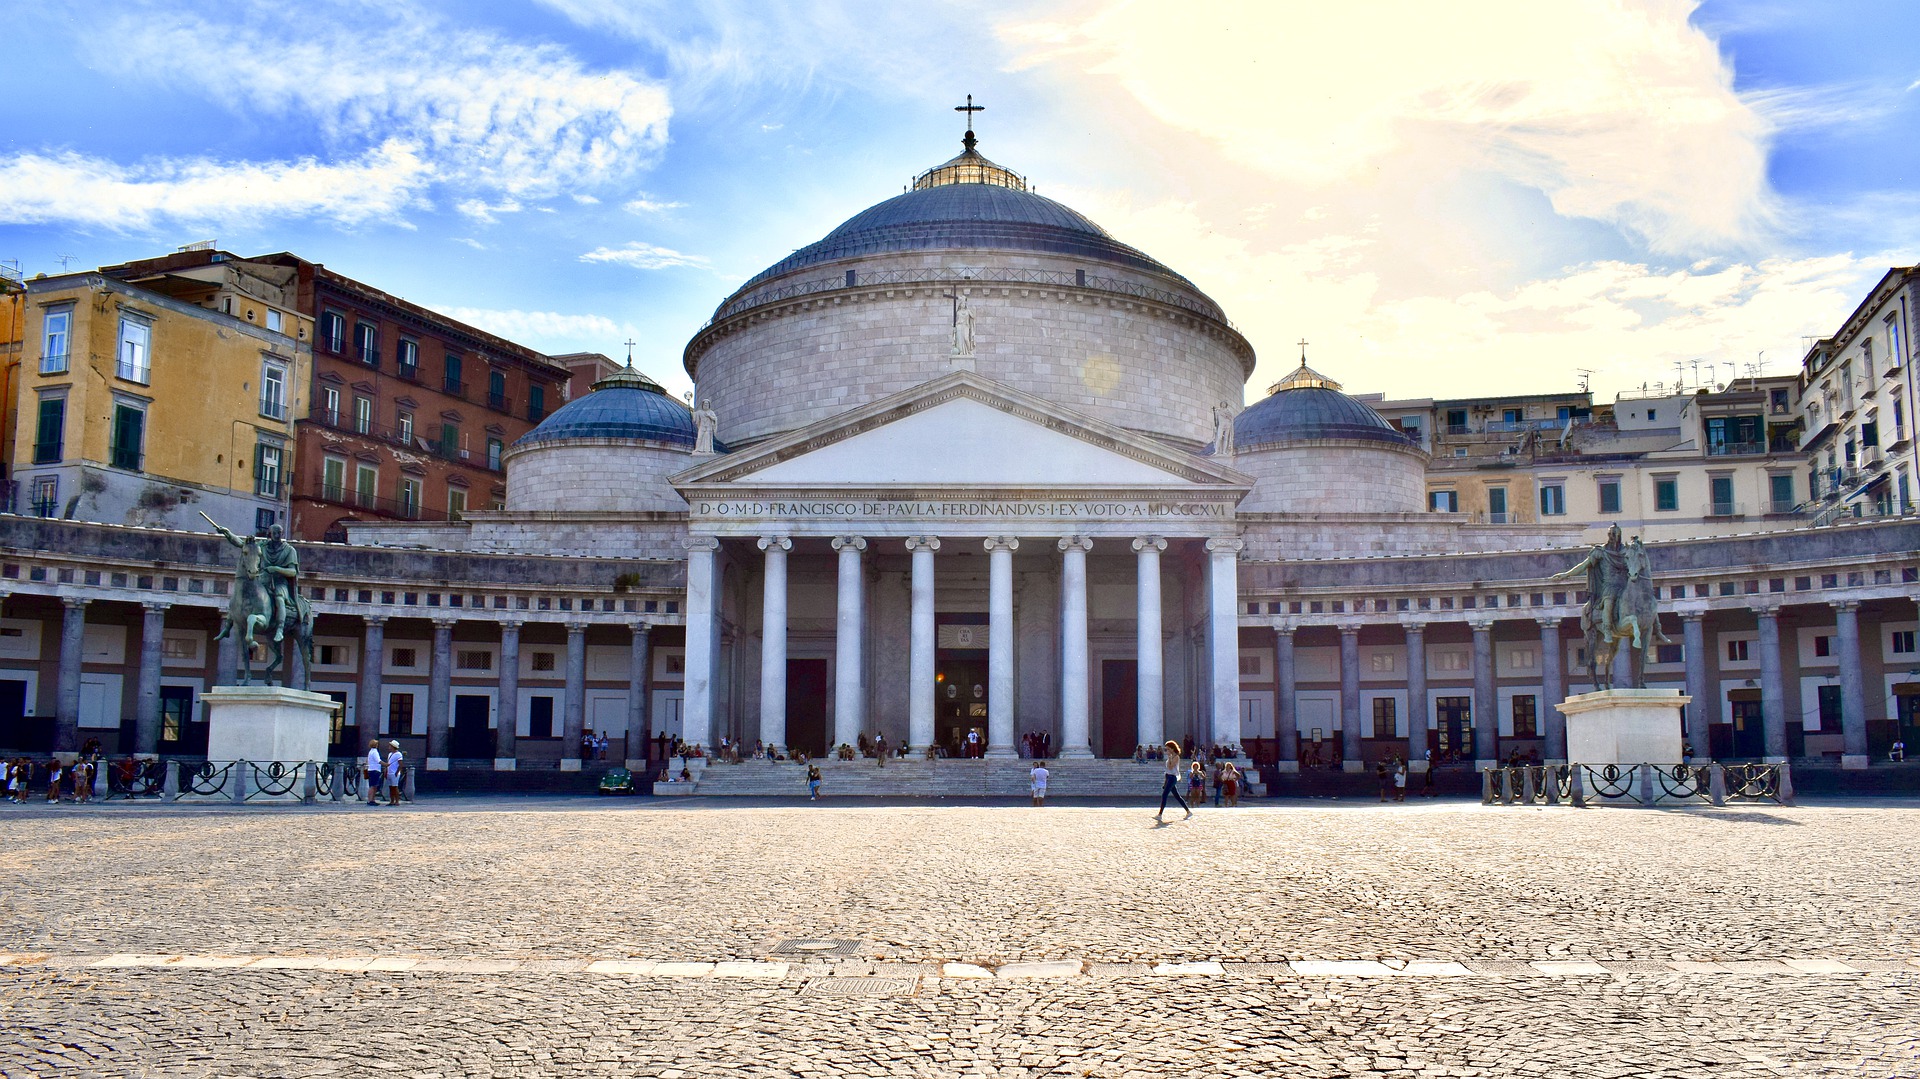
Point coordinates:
[[1647, 785]]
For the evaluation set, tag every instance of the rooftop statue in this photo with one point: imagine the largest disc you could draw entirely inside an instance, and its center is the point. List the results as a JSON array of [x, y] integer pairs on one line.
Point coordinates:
[[962, 326], [266, 595], [705, 423], [1621, 606]]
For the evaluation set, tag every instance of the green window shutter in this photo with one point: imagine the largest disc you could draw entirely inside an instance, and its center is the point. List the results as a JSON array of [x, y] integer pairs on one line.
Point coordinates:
[[50, 439]]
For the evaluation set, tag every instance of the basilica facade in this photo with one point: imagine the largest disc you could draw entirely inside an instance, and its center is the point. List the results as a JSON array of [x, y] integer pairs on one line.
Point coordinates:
[[969, 472]]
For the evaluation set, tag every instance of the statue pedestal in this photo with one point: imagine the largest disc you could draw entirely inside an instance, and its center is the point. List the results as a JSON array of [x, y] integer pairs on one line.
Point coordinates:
[[1624, 726], [264, 724]]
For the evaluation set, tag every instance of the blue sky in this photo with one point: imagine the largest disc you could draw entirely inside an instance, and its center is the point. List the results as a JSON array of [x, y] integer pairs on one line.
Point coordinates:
[[1444, 199]]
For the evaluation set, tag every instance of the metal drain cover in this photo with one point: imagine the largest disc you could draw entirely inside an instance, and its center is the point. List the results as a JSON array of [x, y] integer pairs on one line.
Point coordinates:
[[806, 946], [859, 987]]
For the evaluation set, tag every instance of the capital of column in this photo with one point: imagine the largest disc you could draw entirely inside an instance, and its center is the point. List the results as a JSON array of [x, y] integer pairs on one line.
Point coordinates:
[[1480, 625], [1848, 605], [576, 629], [510, 624], [1225, 545], [74, 603], [374, 619], [444, 623], [703, 543], [1069, 543], [1001, 543], [1693, 616], [153, 606], [1349, 629], [770, 542], [923, 543], [1767, 611], [641, 629], [1413, 627], [1284, 629], [1548, 621], [844, 543], [1155, 542]]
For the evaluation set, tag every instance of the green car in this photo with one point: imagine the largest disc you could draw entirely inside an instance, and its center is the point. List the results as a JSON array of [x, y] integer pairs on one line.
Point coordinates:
[[617, 781]]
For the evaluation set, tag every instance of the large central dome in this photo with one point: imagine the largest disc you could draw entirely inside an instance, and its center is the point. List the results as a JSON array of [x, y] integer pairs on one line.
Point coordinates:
[[1060, 309]]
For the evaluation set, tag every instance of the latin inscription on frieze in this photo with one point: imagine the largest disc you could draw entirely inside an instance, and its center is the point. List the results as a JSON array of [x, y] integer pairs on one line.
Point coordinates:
[[832, 509]]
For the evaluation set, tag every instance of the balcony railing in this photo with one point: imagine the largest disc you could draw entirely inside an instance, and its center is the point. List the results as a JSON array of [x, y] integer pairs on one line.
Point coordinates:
[[1782, 506], [1723, 509], [535, 413], [122, 457], [43, 508], [499, 402], [453, 387], [1734, 449], [408, 371], [46, 453], [386, 507]]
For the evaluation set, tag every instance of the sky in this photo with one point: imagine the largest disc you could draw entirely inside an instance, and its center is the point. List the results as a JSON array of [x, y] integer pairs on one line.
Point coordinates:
[[1497, 196]]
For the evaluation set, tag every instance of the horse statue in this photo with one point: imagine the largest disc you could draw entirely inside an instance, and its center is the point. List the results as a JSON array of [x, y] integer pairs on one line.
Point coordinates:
[[266, 595], [1621, 606]]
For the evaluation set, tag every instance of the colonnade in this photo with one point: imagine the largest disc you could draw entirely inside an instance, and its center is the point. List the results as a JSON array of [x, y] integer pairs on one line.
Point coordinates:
[[850, 634]]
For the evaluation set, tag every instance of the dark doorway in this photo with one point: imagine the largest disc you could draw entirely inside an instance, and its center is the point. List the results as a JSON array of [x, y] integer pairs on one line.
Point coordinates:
[[18, 730], [470, 739], [1749, 728], [540, 716], [960, 703], [1119, 707], [807, 707], [183, 729], [342, 740], [1906, 713], [1453, 728]]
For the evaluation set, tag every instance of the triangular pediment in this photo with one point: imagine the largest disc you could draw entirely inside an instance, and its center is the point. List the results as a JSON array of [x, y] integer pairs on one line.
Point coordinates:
[[962, 430]]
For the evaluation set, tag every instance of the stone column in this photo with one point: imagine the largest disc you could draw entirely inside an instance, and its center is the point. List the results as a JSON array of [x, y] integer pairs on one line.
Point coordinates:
[[1853, 690], [1486, 703], [703, 603], [1417, 718], [639, 694], [1148, 649], [73, 633], [849, 644], [1773, 684], [576, 702], [1073, 648], [1000, 703], [1704, 705], [373, 667], [439, 695], [1286, 718], [1223, 636], [507, 710], [1553, 687], [146, 728], [1353, 755], [921, 644], [773, 642]]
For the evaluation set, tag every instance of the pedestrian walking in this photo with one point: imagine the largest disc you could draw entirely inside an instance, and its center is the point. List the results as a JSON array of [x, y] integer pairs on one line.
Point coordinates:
[[53, 780], [395, 763], [1399, 781], [1039, 775], [813, 782], [375, 771], [1171, 783]]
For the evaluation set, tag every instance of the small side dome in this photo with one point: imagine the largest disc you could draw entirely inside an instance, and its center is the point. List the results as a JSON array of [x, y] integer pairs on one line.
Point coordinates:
[[626, 405], [1307, 405]]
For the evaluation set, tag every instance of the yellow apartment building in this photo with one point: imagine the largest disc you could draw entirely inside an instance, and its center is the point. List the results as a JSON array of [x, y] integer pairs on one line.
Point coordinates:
[[13, 316], [150, 403]]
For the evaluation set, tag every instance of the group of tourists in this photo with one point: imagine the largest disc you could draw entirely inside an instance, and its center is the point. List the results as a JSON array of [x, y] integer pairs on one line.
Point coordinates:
[[64, 780], [385, 774], [593, 746], [1220, 770]]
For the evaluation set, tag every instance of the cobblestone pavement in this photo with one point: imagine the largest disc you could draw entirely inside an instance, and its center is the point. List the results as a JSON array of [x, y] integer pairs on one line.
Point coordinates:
[[571, 938]]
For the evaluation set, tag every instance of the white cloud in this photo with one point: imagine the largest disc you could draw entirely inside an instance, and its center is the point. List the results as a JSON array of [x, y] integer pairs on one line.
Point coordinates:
[[550, 331], [95, 193], [643, 256], [483, 212], [650, 206], [584, 200]]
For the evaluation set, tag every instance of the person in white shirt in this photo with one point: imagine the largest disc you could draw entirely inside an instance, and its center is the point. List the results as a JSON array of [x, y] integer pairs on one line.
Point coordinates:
[[394, 765], [374, 772], [1172, 782], [1039, 782]]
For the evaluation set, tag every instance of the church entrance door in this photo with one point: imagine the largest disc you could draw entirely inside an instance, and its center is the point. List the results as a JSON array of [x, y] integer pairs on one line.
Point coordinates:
[[1119, 707], [960, 704], [807, 707]]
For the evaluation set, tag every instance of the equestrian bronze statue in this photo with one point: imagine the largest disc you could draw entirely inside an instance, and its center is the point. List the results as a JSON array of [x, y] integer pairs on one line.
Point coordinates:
[[1621, 607], [266, 596]]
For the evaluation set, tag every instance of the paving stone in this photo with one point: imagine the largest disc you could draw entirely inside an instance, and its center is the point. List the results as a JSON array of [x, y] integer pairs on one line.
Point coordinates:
[[1570, 969], [1061, 968], [964, 970]]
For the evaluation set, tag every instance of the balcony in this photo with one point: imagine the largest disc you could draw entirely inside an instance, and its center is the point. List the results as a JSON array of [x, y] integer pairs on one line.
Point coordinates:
[[499, 402], [1735, 449], [1782, 506], [46, 453], [408, 371], [393, 508], [453, 387], [535, 413], [44, 508], [1724, 509], [370, 356], [124, 457]]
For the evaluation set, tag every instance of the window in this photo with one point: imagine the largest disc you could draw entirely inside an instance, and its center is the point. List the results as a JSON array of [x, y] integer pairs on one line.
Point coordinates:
[[1520, 659], [451, 383], [536, 403], [267, 461], [1526, 721], [540, 716], [1737, 651], [136, 349], [333, 332], [1666, 495], [366, 484], [366, 343], [59, 340], [1902, 642], [494, 448], [276, 322], [1780, 491], [400, 710], [129, 436], [1456, 421], [449, 439], [1497, 505], [406, 356], [263, 519], [1829, 697], [49, 439], [496, 390], [405, 657], [1553, 500], [1510, 415], [273, 391], [1383, 717], [456, 504], [330, 406], [333, 478], [1443, 501], [1609, 496], [542, 661], [46, 495], [406, 427], [1652, 414], [476, 659], [1777, 402], [1670, 653], [1381, 662], [1870, 434], [1722, 491], [1893, 339], [409, 497], [362, 414], [1823, 645]]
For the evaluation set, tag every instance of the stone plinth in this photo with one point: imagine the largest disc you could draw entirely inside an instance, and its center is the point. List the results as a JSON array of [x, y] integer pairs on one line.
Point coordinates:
[[1624, 726], [267, 723]]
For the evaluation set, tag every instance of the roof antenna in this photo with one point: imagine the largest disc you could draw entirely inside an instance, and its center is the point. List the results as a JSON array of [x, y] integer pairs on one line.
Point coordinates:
[[969, 108]]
